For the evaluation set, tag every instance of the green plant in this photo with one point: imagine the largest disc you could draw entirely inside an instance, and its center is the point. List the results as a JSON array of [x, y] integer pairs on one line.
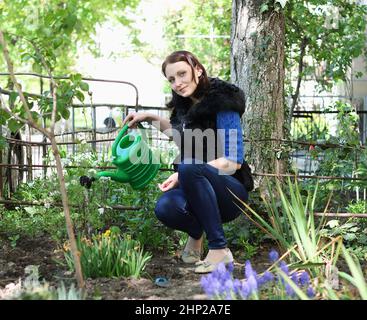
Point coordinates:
[[109, 255], [348, 230], [357, 278], [71, 293], [353, 232], [310, 129], [13, 240], [248, 249], [291, 223], [34, 289], [342, 155], [242, 238], [359, 206]]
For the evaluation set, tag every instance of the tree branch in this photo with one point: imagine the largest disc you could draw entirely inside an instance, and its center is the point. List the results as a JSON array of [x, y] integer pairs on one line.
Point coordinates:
[[295, 96], [4, 107]]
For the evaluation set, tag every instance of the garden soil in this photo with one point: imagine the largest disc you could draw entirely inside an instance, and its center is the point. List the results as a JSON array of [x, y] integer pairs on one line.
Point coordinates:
[[182, 284]]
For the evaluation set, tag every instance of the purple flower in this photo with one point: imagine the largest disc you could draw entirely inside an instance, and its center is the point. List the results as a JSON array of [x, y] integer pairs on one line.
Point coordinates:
[[268, 276], [211, 285], [252, 283], [206, 285], [249, 271], [228, 296], [221, 273], [265, 278], [289, 290], [228, 285], [228, 289], [245, 290], [221, 268], [294, 277], [310, 292], [273, 255], [230, 267], [284, 268], [237, 285], [304, 278]]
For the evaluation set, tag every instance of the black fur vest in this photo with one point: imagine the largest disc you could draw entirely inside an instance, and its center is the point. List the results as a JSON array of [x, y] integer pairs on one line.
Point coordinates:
[[220, 96]]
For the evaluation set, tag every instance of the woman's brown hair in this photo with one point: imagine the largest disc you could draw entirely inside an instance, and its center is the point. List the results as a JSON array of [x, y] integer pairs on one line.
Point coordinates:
[[193, 62]]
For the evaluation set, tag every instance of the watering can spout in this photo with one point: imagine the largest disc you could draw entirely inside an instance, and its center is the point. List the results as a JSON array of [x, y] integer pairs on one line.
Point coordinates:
[[116, 175]]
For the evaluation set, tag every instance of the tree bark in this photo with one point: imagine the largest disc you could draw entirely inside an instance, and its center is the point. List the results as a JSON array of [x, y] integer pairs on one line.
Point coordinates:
[[257, 67]]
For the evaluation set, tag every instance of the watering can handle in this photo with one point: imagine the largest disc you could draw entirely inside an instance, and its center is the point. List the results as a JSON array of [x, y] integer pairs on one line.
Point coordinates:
[[122, 133]]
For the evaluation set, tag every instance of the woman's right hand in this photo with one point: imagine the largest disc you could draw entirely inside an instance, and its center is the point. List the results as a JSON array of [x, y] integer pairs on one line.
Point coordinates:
[[170, 183], [132, 119]]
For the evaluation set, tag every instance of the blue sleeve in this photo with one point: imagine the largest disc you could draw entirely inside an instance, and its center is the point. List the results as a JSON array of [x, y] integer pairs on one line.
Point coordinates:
[[230, 131]]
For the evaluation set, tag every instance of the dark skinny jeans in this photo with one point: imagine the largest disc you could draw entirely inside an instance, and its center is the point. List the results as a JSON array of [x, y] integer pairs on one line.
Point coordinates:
[[201, 202]]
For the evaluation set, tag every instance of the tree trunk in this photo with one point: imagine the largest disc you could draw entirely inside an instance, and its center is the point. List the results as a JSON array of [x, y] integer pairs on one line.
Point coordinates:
[[257, 67]]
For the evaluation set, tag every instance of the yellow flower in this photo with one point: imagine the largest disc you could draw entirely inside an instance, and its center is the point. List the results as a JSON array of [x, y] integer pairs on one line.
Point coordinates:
[[107, 233], [66, 246]]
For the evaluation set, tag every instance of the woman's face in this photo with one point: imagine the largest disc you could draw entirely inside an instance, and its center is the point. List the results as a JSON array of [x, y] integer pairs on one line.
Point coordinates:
[[179, 75]]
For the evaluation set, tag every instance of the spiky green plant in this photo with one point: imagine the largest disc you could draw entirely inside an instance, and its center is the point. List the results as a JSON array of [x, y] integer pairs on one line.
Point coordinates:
[[109, 255], [292, 224]]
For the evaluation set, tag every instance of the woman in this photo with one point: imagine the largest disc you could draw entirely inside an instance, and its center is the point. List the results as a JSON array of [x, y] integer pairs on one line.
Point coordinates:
[[197, 197]]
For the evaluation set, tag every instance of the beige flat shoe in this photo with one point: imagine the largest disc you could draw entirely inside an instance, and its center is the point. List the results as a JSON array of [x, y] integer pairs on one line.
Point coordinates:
[[191, 256], [198, 263], [207, 266]]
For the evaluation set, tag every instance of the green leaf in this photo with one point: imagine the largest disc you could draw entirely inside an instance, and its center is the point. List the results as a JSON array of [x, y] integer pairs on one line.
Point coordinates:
[[57, 42], [84, 86], [349, 236], [36, 67], [14, 125], [71, 21], [332, 223], [264, 7], [306, 265], [76, 78], [79, 95], [4, 116], [12, 97], [35, 115], [65, 113]]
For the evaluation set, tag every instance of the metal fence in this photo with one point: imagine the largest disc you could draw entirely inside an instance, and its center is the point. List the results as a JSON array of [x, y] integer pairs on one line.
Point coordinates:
[[98, 124]]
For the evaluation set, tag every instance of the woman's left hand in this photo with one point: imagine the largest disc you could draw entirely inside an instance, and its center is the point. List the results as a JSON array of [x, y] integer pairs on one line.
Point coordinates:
[[170, 183]]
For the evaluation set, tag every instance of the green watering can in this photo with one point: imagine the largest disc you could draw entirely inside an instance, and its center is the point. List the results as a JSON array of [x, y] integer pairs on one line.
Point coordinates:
[[135, 162]]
